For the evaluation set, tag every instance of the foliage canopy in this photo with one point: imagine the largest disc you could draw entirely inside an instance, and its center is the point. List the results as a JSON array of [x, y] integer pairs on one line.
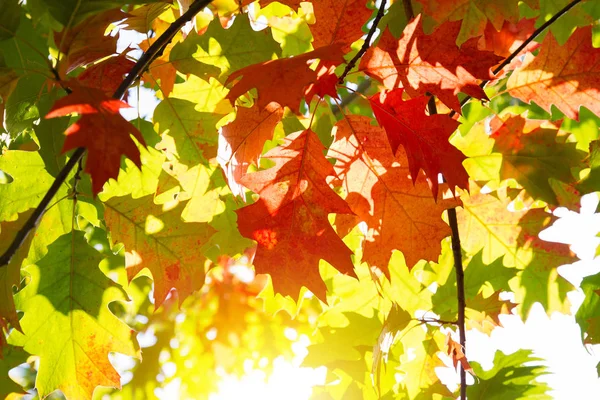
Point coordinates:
[[338, 148]]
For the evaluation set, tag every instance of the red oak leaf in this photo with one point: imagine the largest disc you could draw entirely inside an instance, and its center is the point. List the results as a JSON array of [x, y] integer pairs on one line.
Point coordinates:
[[424, 137], [241, 142], [106, 75], [338, 21], [290, 219], [509, 38], [86, 43], [567, 76], [430, 63], [400, 214], [285, 81], [101, 129]]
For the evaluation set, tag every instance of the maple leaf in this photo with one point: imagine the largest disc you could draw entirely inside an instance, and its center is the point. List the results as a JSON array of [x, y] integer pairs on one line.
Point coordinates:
[[566, 76], [455, 351], [398, 210], [160, 241], [472, 14], [424, 137], [86, 43], [289, 221], [430, 63], [107, 74], [283, 81], [486, 224], [241, 142], [101, 130], [67, 321]]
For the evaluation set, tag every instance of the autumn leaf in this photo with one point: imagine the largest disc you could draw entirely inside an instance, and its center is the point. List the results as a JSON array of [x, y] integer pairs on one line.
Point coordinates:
[[424, 137], [507, 39], [483, 313], [430, 63], [86, 43], [101, 130], [283, 81], [566, 76], [67, 322], [241, 142], [107, 74], [455, 351], [398, 210], [338, 21], [289, 221], [472, 14], [159, 240]]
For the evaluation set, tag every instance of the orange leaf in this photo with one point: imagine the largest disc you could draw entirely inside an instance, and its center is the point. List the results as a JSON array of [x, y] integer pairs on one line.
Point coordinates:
[[86, 43], [283, 81], [161, 68], [509, 38], [338, 21], [456, 352], [424, 137], [401, 215], [101, 130], [241, 142], [106, 75], [567, 76], [290, 219], [430, 63]]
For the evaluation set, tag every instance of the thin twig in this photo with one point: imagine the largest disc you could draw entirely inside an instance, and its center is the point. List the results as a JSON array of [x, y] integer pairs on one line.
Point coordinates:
[[366, 44], [361, 89], [523, 45], [144, 61], [460, 293], [435, 321]]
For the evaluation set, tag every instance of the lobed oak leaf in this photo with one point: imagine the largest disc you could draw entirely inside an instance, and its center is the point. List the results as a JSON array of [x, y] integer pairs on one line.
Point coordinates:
[[472, 14], [424, 137], [430, 63], [86, 43], [159, 240], [290, 219], [508, 38], [284, 81], [399, 211], [161, 69], [338, 21], [483, 313], [241, 142], [566, 76], [107, 74], [101, 130]]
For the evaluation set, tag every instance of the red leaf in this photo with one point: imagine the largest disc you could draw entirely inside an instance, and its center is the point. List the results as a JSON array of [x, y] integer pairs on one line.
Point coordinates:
[[567, 76], [509, 38], [425, 138], [241, 142], [284, 81], [86, 43], [106, 75], [430, 63], [400, 214], [290, 219], [101, 129]]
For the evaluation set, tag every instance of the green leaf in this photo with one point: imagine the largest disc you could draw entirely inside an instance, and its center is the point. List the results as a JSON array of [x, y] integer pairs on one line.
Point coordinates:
[[10, 357], [227, 49], [509, 378], [9, 18], [67, 320]]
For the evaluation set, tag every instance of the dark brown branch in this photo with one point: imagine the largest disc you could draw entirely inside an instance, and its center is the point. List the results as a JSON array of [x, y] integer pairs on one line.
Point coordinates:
[[141, 65], [366, 44], [460, 294], [515, 53]]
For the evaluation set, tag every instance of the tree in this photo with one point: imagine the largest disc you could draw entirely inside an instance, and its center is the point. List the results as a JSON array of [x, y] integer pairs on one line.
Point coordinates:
[[354, 153]]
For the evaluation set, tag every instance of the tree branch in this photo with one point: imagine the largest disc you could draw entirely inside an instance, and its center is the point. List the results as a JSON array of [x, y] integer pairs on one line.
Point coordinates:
[[143, 63], [366, 44], [530, 39]]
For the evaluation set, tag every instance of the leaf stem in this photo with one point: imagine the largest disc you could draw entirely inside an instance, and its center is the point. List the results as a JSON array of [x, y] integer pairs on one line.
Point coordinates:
[[523, 45], [143, 63], [408, 9], [367, 42]]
